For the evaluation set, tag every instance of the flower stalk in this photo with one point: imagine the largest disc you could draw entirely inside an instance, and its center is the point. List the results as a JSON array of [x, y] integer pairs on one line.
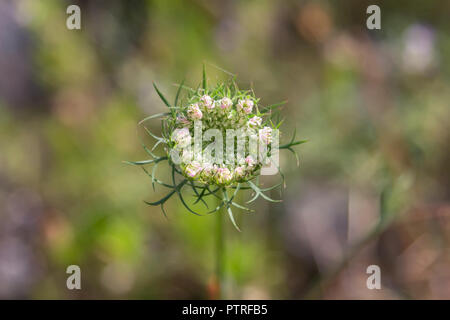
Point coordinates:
[[220, 254]]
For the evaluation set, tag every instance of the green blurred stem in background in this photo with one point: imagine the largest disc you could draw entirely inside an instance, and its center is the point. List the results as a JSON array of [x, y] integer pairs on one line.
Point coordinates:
[[220, 252]]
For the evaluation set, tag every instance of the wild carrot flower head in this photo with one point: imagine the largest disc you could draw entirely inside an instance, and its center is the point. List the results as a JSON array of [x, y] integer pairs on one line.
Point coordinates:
[[216, 140], [216, 112]]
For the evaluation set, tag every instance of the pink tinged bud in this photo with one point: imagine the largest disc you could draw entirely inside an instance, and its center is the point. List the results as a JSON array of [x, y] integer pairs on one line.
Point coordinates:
[[248, 106], [225, 103], [239, 172], [193, 169], [240, 105], [249, 161], [194, 112], [191, 172], [208, 102], [255, 121], [224, 175], [245, 106], [265, 135]]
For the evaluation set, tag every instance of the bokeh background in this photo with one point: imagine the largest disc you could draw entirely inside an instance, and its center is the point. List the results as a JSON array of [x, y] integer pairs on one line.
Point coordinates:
[[372, 188]]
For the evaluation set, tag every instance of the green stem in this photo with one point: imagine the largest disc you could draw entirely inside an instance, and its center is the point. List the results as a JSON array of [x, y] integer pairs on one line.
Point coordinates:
[[220, 253]]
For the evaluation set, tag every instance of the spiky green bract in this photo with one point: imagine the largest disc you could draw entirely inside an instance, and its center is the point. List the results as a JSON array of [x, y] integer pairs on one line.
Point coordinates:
[[222, 107]]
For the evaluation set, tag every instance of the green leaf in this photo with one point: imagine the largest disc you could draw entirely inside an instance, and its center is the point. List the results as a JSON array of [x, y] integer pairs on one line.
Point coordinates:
[[295, 154], [238, 187], [273, 106], [279, 124], [178, 191], [271, 188], [152, 176], [178, 93], [259, 193], [147, 149], [164, 199], [204, 83], [213, 192], [230, 213], [164, 211], [161, 96], [199, 196], [186, 205], [158, 115], [157, 144], [191, 91], [237, 205], [159, 139], [217, 208], [161, 201], [298, 142], [139, 163]]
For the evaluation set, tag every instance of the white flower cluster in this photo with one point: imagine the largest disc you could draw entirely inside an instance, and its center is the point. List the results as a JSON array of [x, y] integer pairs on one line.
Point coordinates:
[[219, 113], [219, 174]]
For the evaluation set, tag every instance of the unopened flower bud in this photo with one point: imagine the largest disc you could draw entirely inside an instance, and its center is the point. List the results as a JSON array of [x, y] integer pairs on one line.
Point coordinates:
[[245, 106], [193, 169], [255, 121], [224, 175], [265, 135], [207, 102], [194, 112], [239, 172], [225, 103]]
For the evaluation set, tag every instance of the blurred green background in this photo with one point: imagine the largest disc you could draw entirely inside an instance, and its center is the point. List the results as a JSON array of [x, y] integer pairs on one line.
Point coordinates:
[[372, 188]]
